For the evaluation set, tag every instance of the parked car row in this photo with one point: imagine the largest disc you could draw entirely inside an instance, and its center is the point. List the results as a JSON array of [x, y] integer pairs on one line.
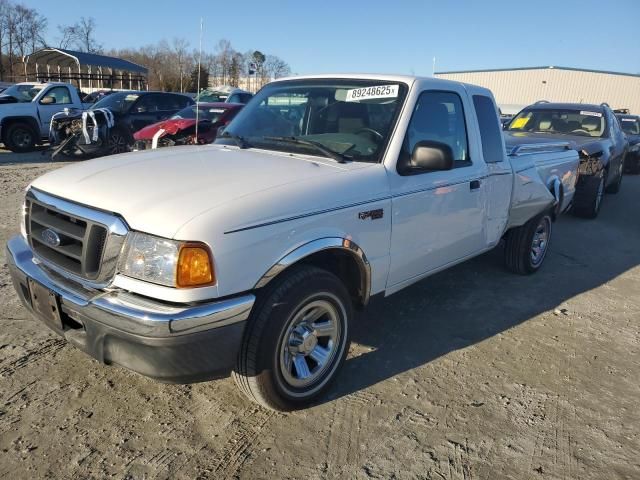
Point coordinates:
[[106, 122], [251, 255], [606, 143]]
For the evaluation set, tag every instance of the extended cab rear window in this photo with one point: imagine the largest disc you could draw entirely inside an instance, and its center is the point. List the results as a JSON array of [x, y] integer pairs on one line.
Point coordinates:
[[490, 133]]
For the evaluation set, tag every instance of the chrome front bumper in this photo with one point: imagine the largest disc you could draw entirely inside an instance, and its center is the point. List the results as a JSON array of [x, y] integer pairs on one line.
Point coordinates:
[[170, 342]]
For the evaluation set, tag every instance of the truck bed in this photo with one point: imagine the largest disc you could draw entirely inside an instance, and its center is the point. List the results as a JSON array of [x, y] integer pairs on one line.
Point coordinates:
[[544, 175]]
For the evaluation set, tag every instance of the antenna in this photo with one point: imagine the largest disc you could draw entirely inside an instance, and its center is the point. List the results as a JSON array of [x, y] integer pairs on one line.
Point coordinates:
[[198, 82], [433, 68]]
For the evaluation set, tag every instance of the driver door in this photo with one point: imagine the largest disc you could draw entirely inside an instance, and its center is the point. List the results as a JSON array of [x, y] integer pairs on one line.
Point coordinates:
[[438, 216], [60, 97]]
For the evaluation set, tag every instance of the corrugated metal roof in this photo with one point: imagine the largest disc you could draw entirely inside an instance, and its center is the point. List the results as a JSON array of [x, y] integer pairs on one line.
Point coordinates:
[[63, 57], [548, 67]]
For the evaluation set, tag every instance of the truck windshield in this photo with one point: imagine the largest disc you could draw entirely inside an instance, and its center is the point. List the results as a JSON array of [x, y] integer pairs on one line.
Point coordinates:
[[348, 119], [630, 125], [117, 102], [23, 93], [212, 96], [559, 121]]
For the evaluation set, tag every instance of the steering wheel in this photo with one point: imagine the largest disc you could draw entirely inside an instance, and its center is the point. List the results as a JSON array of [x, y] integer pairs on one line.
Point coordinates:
[[580, 130], [375, 133]]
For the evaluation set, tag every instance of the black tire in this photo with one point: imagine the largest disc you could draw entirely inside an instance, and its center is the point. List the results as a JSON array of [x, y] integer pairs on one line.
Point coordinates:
[[20, 138], [615, 186], [588, 197], [118, 141], [259, 371], [520, 247]]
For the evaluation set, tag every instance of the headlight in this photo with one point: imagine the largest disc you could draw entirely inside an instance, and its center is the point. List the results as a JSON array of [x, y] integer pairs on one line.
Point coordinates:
[[166, 262]]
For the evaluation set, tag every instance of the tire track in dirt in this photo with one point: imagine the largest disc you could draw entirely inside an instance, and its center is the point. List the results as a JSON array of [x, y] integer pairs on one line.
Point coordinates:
[[49, 346], [343, 453]]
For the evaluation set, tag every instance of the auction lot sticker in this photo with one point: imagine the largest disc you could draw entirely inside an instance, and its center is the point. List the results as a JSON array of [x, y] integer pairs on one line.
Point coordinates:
[[368, 93]]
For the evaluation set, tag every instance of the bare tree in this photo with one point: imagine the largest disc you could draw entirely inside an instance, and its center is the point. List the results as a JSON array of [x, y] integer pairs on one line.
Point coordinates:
[[80, 35], [179, 48]]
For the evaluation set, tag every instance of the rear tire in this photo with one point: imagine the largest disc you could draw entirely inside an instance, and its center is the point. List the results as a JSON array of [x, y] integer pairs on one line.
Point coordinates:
[[296, 339], [527, 246], [20, 138], [588, 197]]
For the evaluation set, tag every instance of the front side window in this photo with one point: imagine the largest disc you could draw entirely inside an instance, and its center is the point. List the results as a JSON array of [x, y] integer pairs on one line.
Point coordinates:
[[60, 95], [585, 122], [343, 119], [439, 117]]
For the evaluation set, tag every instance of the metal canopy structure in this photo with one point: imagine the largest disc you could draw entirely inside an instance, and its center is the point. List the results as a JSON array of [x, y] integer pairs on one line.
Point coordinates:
[[87, 70]]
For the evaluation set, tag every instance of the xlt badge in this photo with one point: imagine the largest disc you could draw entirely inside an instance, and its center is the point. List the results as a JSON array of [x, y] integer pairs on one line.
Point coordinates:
[[372, 214]]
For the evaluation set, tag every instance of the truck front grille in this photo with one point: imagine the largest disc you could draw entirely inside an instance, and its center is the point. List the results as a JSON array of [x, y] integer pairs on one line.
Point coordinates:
[[76, 243]]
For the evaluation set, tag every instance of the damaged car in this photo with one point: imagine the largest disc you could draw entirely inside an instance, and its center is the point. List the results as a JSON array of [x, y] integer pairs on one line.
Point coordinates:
[[107, 127], [180, 129], [630, 125]]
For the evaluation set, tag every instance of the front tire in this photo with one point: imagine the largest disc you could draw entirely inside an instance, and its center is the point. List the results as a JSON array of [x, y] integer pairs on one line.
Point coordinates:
[[118, 142], [20, 138], [527, 245], [588, 198], [296, 339]]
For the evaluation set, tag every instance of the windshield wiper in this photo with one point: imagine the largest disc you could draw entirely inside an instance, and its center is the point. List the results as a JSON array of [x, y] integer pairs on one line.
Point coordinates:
[[239, 139], [338, 157]]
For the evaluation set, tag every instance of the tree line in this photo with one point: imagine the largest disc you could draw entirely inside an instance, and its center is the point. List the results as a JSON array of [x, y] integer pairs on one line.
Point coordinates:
[[172, 65]]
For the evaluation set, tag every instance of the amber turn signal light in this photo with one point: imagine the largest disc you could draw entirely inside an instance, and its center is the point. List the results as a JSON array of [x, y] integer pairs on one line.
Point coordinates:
[[195, 267]]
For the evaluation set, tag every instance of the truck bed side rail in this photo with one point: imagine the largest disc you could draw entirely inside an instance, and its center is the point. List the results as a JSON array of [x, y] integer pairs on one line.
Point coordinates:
[[529, 148]]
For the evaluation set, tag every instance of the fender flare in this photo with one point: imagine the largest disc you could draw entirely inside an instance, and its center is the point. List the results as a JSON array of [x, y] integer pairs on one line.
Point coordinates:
[[322, 244]]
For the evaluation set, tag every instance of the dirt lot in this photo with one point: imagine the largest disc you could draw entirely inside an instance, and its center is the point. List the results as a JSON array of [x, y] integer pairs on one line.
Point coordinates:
[[472, 374]]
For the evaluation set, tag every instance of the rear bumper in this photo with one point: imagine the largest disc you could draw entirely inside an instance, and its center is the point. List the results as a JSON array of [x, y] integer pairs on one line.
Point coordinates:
[[172, 343]]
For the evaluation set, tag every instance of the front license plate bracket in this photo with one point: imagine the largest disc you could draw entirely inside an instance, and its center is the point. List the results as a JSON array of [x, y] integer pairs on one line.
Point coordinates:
[[46, 304]]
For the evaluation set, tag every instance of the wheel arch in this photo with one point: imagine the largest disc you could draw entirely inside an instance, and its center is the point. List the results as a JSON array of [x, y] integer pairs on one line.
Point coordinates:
[[557, 190], [339, 255]]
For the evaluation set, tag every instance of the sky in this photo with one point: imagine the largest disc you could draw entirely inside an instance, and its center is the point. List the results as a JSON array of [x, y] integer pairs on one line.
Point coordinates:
[[377, 36]]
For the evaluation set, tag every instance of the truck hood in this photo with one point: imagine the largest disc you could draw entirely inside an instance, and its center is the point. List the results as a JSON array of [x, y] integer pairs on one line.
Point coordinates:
[[158, 191], [580, 142]]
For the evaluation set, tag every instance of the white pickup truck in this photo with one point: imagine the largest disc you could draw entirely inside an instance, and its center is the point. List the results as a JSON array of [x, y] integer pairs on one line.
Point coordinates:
[[250, 255], [26, 110]]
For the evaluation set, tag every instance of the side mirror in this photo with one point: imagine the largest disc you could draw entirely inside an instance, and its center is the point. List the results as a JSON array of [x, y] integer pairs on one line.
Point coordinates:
[[431, 155], [48, 100]]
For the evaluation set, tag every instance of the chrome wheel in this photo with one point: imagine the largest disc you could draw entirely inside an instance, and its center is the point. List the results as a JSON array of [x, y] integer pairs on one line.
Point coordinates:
[[311, 342], [540, 241]]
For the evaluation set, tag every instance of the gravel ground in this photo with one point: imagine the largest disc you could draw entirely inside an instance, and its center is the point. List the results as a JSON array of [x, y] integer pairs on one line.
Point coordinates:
[[473, 373]]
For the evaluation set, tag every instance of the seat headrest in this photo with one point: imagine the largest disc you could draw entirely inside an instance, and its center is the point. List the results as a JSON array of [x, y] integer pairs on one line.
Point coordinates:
[[544, 125], [591, 124]]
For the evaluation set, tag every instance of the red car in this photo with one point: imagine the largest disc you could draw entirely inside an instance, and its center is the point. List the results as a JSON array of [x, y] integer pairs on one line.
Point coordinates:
[[180, 129]]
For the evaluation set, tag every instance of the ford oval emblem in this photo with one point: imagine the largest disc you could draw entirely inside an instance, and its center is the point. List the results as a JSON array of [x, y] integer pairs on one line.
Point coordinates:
[[50, 237]]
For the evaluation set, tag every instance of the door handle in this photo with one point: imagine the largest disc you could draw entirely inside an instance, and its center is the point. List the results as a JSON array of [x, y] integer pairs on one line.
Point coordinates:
[[474, 184]]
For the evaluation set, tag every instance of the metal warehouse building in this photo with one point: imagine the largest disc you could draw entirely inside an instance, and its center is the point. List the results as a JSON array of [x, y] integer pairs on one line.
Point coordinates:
[[524, 86]]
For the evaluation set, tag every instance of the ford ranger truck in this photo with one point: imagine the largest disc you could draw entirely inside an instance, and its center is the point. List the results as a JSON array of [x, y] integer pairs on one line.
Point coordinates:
[[249, 256], [26, 110]]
